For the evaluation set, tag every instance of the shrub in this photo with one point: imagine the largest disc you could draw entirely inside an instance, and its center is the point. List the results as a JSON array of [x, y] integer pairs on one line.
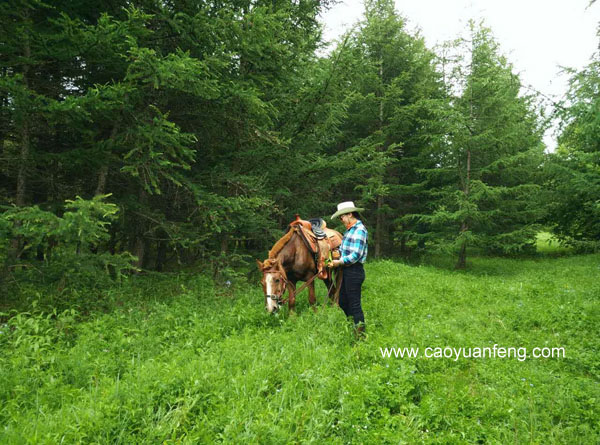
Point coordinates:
[[66, 250]]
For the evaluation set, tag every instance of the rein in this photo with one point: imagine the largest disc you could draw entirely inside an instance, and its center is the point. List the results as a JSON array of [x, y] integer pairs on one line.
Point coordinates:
[[304, 286]]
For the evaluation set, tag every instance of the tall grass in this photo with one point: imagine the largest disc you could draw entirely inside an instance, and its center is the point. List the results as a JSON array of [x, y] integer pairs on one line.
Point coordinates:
[[173, 359]]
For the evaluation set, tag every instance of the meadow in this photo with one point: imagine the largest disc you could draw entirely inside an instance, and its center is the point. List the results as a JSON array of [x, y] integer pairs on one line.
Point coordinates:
[[174, 358]]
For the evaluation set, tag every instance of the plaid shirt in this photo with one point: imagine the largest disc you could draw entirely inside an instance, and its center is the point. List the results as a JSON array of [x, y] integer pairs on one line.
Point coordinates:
[[354, 245]]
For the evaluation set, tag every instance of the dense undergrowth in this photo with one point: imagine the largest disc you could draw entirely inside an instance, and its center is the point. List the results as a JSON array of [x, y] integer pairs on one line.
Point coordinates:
[[175, 359]]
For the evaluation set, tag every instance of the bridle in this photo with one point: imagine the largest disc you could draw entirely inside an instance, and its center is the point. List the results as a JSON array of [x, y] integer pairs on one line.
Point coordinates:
[[279, 298], [280, 301]]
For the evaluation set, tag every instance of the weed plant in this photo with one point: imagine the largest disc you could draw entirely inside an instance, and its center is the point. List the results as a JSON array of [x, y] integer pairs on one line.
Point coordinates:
[[176, 359]]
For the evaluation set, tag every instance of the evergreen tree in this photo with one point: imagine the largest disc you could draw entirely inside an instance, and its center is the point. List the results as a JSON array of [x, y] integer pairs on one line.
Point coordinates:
[[173, 108], [389, 92], [482, 187], [574, 170]]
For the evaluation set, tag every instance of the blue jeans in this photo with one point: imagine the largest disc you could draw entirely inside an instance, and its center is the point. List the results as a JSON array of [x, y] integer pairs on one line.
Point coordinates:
[[350, 293]]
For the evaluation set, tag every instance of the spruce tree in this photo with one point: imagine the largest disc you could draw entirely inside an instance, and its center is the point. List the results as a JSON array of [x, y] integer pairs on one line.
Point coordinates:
[[483, 185], [389, 93], [574, 170]]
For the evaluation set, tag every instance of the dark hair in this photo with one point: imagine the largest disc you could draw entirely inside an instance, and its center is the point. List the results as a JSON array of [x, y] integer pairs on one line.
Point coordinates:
[[355, 214]]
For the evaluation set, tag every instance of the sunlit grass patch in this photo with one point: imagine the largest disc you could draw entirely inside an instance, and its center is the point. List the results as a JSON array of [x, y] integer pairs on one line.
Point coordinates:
[[548, 244]]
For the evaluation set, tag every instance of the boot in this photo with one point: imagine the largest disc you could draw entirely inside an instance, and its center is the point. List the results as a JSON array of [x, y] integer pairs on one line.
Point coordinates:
[[359, 331]]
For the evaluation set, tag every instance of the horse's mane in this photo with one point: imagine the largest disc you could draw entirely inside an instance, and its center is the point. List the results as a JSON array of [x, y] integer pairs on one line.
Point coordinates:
[[279, 244]]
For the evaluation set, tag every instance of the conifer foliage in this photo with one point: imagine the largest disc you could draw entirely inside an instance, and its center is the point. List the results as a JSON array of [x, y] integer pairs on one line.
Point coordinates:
[[574, 170], [481, 190], [209, 125]]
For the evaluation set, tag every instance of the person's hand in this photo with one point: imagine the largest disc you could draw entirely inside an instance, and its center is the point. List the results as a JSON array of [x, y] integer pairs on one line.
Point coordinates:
[[335, 263]]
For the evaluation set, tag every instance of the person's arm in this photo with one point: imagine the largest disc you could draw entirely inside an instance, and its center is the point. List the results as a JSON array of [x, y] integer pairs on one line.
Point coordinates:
[[355, 247]]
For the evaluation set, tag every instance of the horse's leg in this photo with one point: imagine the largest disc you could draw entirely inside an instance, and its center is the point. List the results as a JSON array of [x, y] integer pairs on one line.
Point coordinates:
[[292, 296], [312, 299], [330, 289], [338, 286]]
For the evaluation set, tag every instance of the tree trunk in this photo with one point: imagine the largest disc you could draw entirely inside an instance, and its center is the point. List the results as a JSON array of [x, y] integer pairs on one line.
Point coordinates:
[[224, 244], [161, 255], [379, 222], [462, 256], [103, 173], [139, 249], [25, 136], [379, 227], [21, 191], [102, 180], [403, 249], [23, 161], [21, 183]]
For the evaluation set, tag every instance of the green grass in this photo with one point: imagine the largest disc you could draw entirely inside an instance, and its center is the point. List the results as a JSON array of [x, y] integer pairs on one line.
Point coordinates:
[[548, 244], [175, 360]]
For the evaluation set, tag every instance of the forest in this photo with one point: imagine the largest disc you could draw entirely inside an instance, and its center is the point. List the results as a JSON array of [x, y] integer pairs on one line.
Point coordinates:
[[160, 135], [151, 150]]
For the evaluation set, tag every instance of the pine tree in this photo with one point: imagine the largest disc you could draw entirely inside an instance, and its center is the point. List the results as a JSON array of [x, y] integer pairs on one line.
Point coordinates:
[[388, 92], [485, 178], [574, 170]]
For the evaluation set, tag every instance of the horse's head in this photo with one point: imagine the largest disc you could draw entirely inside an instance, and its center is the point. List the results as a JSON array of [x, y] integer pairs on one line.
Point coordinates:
[[274, 281]]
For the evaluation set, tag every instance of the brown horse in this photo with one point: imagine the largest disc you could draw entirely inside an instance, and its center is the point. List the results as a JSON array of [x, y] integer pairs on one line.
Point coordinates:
[[290, 261]]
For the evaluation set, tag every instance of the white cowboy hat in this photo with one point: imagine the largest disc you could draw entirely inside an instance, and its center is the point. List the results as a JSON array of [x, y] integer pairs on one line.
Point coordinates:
[[345, 207]]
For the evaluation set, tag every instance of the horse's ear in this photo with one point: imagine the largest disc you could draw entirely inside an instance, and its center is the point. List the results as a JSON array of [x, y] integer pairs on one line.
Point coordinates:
[[260, 265]]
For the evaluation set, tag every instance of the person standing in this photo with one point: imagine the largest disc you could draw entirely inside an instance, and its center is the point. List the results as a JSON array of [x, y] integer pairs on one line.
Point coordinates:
[[354, 251]]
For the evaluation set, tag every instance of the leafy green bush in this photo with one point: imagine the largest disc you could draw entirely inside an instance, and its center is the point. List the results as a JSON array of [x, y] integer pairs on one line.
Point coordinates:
[[67, 250]]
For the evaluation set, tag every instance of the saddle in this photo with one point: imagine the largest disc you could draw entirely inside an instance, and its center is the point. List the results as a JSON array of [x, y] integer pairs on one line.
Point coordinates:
[[317, 226], [320, 240]]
